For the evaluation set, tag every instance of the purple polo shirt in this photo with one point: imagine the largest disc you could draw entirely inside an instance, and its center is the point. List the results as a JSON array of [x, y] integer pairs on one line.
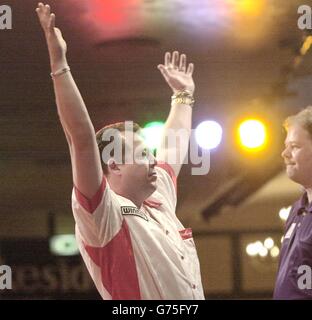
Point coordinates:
[[296, 251]]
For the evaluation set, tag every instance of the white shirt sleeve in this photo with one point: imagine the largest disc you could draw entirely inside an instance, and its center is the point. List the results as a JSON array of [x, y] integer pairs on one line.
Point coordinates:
[[97, 219], [166, 185]]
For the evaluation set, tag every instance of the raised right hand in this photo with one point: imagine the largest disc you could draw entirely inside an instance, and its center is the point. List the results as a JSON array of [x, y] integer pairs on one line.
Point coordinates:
[[56, 43]]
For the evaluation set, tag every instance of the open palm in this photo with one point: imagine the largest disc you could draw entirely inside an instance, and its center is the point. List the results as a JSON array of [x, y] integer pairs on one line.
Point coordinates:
[[178, 76]]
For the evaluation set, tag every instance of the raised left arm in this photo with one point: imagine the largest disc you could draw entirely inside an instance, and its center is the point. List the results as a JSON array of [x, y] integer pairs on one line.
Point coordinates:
[[177, 129]]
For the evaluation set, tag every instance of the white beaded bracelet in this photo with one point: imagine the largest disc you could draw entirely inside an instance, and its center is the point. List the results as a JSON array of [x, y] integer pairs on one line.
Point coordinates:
[[60, 72]]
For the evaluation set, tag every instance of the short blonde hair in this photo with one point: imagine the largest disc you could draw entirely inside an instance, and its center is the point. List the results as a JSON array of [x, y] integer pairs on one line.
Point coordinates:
[[302, 118]]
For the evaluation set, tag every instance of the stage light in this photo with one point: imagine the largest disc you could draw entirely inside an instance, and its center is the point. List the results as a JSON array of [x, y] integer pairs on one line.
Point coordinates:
[[251, 7], [110, 13], [269, 243], [263, 252], [208, 134], [251, 249], [63, 245], [274, 252], [284, 213], [252, 134], [262, 249], [306, 45], [152, 133]]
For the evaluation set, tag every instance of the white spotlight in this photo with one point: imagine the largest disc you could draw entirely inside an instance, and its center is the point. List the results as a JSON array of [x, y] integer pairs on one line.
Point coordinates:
[[208, 134]]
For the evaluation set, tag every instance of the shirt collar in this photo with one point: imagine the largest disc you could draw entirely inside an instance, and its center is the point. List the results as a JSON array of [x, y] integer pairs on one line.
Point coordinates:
[[152, 203], [304, 205]]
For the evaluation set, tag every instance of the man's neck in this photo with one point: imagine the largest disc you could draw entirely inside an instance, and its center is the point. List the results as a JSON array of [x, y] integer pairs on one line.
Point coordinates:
[[138, 201], [135, 200]]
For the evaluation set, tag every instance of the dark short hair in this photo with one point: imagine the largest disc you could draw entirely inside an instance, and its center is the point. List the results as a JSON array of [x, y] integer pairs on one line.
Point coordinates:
[[121, 127]]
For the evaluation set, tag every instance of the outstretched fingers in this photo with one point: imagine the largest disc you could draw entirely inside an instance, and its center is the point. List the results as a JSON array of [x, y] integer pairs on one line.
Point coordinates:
[[39, 9], [52, 21], [175, 60], [182, 66], [164, 71], [190, 69], [167, 59], [47, 19], [43, 10], [40, 6], [47, 10]]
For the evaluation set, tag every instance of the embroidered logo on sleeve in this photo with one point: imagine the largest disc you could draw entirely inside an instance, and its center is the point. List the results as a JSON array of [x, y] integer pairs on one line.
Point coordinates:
[[132, 211]]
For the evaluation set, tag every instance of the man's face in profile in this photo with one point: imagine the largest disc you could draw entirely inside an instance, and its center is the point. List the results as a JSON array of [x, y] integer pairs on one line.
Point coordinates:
[[298, 155]]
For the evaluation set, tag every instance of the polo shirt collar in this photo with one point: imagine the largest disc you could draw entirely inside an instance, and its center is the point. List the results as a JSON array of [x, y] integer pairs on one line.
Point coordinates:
[[304, 204], [152, 203]]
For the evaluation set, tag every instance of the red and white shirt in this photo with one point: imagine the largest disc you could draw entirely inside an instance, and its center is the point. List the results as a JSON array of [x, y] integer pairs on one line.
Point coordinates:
[[136, 253]]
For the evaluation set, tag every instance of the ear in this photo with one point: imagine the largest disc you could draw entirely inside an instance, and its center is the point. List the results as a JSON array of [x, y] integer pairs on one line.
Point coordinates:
[[113, 167]]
